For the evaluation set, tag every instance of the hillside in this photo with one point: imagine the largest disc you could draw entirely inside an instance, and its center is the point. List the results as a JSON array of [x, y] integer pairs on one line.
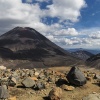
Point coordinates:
[[25, 46], [94, 61], [82, 54]]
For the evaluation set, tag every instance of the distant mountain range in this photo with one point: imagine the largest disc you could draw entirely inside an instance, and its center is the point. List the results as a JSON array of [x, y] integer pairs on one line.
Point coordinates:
[[94, 61], [91, 57], [26, 48], [93, 51], [82, 54]]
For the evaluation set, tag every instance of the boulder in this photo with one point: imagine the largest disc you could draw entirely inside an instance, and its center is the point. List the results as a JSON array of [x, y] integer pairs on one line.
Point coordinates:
[[76, 77], [28, 82], [4, 92], [55, 93]]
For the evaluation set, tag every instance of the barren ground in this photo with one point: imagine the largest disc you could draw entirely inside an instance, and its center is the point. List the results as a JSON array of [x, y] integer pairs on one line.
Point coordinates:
[[77, 94]]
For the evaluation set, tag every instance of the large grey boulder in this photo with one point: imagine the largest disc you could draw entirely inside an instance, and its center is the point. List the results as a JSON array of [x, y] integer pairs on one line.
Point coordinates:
[[28, 82], [92, 97], [4, 92], [76, 77]]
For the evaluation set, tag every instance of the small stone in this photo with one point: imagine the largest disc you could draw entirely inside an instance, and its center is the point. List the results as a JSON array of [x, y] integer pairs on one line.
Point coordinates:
[[55, 93], [97, 76], [51, 79], [40, 86], [12, 81], [36, 73], [47, 85], [67, 88], [94, 92], [89, 78], [12, 98], [41, 76], [34, 78], [31, 73]]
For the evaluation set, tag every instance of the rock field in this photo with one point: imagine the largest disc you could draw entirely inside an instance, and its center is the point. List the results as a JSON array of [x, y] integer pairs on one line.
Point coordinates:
[[49, 84]]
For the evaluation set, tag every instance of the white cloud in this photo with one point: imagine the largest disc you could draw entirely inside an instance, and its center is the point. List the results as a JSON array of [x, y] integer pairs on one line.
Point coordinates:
[[95, 35], [15, 13], [66, 9], [67, 32], [51, 37]]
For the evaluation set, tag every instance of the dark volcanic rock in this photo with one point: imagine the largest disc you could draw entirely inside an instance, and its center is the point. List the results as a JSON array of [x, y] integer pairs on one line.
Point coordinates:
[[26, 44], [76, 77]]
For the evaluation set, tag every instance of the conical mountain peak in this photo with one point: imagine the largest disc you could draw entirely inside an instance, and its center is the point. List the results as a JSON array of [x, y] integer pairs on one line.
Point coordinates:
[[25, 43]]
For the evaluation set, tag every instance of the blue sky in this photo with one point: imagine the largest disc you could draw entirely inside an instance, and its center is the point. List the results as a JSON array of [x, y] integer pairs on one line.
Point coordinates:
[[68, 23], [90, 16]]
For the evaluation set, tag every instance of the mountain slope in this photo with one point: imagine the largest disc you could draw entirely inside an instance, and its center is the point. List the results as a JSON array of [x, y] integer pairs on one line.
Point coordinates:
[[94, 61], [28, 44], [82, 54]]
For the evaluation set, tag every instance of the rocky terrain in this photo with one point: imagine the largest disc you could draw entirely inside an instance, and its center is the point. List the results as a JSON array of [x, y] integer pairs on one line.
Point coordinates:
[[49, 84], [28, 56], [24, 46]]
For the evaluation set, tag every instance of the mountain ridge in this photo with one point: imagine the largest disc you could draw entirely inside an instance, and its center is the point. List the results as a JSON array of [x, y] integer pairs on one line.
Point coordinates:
[[82, 54]]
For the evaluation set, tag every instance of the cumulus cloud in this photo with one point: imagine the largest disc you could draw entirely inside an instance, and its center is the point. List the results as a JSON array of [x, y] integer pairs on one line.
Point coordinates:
[[95, 35], [30, 15], [15, 13], [67, 32], [66, 9]]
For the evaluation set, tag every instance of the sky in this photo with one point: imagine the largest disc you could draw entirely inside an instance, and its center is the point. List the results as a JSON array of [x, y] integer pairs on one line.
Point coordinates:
[[68, 23]]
